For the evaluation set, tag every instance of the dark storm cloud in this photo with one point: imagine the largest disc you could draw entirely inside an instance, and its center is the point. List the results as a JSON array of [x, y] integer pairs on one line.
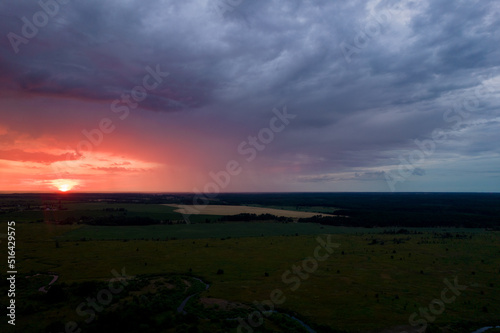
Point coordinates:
[[96, 51], [423, 57]]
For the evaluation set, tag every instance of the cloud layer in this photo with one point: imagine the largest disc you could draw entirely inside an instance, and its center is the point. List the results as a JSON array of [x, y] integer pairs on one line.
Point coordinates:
[[364, 79]]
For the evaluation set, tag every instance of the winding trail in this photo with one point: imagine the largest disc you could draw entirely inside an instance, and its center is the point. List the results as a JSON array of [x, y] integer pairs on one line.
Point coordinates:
[[45, 289], [307, 327], [181, 307], [484, 329]]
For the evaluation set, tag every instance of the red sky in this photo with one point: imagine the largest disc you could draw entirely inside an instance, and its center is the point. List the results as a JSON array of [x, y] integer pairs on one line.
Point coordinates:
[[60, 144], [323, 96]]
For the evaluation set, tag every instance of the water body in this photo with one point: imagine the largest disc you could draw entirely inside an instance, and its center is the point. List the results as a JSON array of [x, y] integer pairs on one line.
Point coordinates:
[[45, 289], [181, 307], [307, 327], [484, 329]]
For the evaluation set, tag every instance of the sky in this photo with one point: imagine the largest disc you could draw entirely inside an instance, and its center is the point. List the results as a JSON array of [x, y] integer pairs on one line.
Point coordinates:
[[249, 96]]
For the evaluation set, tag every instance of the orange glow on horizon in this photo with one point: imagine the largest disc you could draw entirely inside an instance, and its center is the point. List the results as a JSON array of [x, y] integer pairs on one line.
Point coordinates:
[[64, 185], [64, 188]]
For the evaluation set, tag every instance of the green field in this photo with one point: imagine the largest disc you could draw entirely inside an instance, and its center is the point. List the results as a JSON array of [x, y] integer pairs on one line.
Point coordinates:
[[229, 230], [61, 211], [195, 231], [360, 287], [375, 281]]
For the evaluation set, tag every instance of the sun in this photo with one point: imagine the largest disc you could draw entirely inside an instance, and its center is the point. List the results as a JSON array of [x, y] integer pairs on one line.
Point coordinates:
[[64, 185]]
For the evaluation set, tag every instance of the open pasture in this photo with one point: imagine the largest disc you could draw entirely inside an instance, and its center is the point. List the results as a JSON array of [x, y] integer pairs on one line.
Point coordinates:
[[228, 230], [373, 281], [62, 211]]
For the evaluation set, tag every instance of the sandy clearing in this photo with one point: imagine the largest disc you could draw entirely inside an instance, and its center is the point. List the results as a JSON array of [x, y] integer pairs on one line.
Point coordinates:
[[234, 210]]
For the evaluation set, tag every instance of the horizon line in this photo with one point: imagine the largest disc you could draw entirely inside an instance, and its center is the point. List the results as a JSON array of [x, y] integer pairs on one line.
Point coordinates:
[[241, 192]]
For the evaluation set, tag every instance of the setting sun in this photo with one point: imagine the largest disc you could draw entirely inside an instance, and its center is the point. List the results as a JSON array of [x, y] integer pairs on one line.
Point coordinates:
[[64, 185], [64, 188]]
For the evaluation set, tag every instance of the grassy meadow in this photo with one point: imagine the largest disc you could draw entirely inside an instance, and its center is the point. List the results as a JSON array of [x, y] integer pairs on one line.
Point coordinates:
[[379, 279], [372, 281]]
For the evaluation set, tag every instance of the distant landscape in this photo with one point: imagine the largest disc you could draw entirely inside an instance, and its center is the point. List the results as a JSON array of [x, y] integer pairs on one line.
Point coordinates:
[[392, 256], [250, 166]]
